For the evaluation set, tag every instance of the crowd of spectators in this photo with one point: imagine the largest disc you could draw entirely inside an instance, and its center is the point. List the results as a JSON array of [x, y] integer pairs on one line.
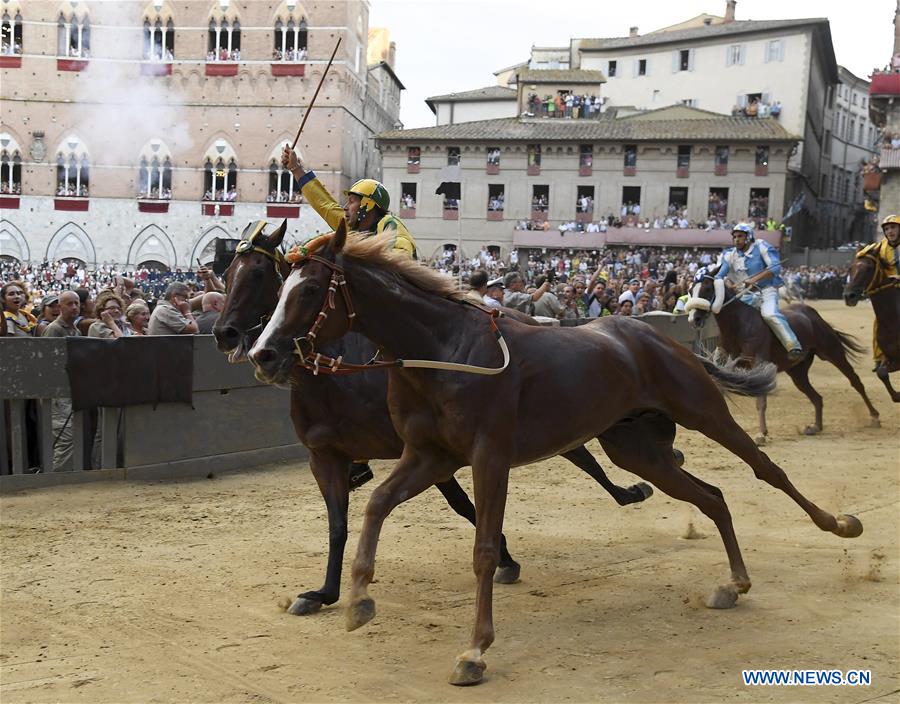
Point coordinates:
[[14, 188], [10, 49], [72, 190], [282, 197], [223, 55], [221, 195], [156, 194], [566, 105], [290, 54], [676, 221]]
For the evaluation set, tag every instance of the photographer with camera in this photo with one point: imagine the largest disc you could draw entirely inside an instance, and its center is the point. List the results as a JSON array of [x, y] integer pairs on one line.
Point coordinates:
[[515, 296]]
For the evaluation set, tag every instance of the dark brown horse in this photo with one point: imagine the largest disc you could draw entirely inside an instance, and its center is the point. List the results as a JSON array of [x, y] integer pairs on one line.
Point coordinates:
[[744, 336], [339, 418], [630, 383], [867, 279]]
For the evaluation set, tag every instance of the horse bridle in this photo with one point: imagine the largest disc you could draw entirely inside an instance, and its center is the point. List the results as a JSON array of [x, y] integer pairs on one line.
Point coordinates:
[[248, 246], [316, 362]]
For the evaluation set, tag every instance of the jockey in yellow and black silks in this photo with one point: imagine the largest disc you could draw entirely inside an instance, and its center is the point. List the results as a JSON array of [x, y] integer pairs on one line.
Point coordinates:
[[887, 251], [367, 208]]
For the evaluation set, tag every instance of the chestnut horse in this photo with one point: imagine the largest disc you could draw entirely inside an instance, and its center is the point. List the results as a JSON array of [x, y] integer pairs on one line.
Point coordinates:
[[867, 279], [744, 335], [339, 418], [630, 384]]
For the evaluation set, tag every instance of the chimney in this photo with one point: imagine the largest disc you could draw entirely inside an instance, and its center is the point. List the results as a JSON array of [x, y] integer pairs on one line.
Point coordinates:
[[392, 54], [632, 31], [729, 10]]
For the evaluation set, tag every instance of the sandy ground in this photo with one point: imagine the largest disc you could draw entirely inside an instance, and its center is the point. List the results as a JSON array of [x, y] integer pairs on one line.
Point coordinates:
[[170, 591]]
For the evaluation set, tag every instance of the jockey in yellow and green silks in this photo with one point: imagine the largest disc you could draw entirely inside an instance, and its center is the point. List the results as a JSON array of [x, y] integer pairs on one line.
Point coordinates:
[[367, 209]]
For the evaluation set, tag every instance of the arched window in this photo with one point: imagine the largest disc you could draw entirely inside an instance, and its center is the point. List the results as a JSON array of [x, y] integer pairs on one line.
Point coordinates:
[[220, 180], [11, 34], [10, 166], [72, 169], [282, 187], [224, 40], [159, 39], [290, 40], [155, 179], [74, 36]]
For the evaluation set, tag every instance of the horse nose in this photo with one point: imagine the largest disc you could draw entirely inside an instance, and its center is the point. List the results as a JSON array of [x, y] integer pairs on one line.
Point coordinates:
[[226, 334], [262, 356]]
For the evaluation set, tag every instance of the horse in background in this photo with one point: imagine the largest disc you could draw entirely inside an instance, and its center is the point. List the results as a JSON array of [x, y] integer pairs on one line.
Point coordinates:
[[630, 383], [868, 280], [744, 336], [339, 418]]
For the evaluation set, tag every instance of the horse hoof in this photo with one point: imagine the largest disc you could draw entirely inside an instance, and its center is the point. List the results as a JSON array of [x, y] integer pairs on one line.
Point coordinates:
[[760, 440], [507, 574], [848, 526], [645, 489], [811, 430], [678, 455], [874, 423], [304, 607], [723, 598], [467, 672], [360, 613]]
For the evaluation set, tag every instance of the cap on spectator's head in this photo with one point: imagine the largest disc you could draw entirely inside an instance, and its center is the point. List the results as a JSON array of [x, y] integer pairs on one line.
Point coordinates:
[[634, 281], [496, 283], [510, 278], [49, 300]]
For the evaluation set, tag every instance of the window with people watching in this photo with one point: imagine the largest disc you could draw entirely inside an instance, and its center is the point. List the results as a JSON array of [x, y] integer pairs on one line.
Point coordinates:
[[493, 156], [540, 199], [282, 188], [290, 40], [584, 201], [159, 39], [74, 36], [11, 34], [585, 156], [10, 166], [718, 203], [408, 192], [224, 41], [759, 204], [630, 156], [72, 169], [220, 180], [155, 178], [453, 156], [683, 160], [496, 197], [721, 163]]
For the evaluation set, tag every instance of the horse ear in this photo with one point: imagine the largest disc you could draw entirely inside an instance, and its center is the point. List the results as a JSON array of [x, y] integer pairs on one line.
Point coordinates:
[[276, 237], [340, 236]]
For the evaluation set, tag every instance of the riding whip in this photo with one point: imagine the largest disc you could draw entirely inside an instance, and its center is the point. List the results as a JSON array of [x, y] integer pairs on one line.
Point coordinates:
[[318, 88]]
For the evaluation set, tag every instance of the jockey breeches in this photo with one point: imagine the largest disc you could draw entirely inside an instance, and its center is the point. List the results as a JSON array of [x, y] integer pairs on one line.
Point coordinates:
[[767, 302]]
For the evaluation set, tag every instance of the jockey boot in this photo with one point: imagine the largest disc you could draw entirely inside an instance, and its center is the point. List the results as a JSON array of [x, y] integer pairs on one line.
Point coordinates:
[[360, 473], [796, 354]]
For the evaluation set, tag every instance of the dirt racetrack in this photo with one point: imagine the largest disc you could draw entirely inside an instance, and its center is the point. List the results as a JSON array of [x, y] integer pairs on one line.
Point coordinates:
[[170, 591]]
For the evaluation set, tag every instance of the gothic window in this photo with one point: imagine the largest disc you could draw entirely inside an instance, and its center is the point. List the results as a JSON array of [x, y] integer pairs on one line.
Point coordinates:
[[159, 40], [72, 169], [224, 40], [155, 178], [10, 167], [220, 180], [282, 187], [74, 37], [290, 40], [11, 34]]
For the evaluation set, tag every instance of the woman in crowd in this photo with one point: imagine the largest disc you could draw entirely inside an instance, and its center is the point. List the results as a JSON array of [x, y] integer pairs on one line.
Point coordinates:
[[109, 306], [19, 322], [49, 313], [137, 317]]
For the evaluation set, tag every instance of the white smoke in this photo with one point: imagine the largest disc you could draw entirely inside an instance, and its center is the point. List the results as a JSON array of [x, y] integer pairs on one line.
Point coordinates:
[[118, 110]]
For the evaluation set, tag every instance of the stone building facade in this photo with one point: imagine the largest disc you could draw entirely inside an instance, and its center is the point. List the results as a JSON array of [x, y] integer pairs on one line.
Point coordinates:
[[677, 154], [141, 131]]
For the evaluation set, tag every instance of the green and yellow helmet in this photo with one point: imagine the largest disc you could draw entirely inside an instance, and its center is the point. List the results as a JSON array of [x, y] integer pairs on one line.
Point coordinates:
[[890, 220], [372, 195]]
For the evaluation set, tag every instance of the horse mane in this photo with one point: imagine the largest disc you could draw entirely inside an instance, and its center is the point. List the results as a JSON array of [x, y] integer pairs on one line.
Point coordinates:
[[378, 251]]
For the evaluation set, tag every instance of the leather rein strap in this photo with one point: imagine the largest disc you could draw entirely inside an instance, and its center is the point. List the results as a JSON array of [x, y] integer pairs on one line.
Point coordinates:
[[316, 362]]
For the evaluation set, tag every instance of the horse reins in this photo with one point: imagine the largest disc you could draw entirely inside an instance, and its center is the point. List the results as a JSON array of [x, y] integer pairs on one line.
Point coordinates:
[[316, 362], [246, 246]]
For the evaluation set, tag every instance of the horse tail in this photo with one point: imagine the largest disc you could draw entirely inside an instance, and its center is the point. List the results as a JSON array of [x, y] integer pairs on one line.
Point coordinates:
[[758, 380], [851, 345]]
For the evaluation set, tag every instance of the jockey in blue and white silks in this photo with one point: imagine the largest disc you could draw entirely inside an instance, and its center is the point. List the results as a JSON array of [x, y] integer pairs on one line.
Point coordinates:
[[753, 262]]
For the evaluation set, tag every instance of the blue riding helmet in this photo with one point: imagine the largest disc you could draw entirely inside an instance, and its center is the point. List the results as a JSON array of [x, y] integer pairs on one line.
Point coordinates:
[[701, 273]]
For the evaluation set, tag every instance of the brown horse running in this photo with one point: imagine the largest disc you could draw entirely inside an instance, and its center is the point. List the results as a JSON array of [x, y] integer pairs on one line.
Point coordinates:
[[339, 418], [744, 335], [867, 279], [630, 383]]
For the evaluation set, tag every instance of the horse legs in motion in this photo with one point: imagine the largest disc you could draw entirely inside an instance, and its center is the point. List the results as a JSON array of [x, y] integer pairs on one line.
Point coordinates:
[[330, 471]]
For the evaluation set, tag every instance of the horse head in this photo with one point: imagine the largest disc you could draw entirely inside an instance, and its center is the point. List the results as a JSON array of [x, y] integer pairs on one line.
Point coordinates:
[[707, 296], [252, 280], [304, 314], [863, 274]]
